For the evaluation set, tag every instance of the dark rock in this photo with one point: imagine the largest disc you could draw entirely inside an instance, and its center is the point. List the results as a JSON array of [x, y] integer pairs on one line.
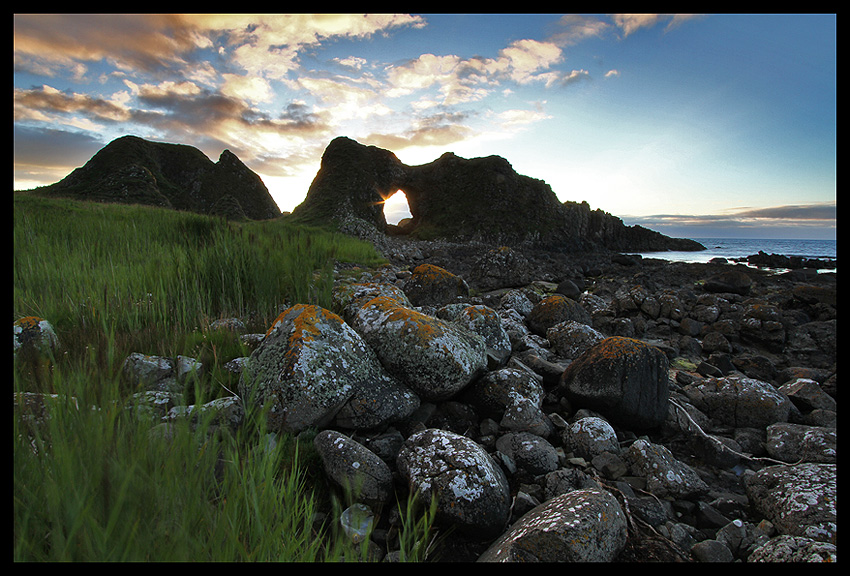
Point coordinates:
[[478, 199], [131, 170], [623, 379]]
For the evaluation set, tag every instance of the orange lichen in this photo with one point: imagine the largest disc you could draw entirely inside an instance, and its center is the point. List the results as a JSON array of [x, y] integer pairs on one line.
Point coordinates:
[[28, 322]]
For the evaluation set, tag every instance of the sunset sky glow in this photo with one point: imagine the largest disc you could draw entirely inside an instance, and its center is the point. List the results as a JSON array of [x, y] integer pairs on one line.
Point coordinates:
[[692, 125]]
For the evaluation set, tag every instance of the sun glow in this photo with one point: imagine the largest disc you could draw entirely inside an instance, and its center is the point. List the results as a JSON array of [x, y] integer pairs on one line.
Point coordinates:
[[396, 208]]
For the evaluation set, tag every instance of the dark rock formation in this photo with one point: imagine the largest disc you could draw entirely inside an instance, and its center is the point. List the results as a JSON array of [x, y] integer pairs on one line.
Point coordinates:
[[458, 199], [131, 170]]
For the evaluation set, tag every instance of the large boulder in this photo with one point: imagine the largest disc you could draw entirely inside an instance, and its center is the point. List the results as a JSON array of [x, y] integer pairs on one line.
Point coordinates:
[[472, 491], [553, 310], [623, 379], [309, 365], [800, 499], [580, 526], [739, 402], [433, 357], [430, 285]]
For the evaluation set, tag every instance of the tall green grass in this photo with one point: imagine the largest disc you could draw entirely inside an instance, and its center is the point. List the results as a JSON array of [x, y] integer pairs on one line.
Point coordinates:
[[94, 481]]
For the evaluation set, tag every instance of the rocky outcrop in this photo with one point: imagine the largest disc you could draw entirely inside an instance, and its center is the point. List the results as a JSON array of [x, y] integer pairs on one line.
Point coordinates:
[[635, 438], [131, 170], [478, 199]]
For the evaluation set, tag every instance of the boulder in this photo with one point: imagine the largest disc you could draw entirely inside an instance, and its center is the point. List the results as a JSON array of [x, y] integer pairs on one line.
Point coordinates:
[[35, 336], [472, 491], [485, 322], [665, 475], [431, 285], [529, 451], [553, 310], [729, 281], [740, 402], [581, 526], [501, 267], [799, 499], [623, 379], [571, 339], [435, 358], [308, 366], [790, 443], [794, 549], [505, 394], [354, 467], [589, 437]]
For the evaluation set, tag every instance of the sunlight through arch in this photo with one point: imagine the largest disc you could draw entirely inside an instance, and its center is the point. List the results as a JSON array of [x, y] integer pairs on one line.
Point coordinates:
[[396, 208]]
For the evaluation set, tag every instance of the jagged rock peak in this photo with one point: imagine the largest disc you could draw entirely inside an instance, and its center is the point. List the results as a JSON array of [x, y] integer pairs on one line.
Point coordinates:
[[132, 170], [478, 199]]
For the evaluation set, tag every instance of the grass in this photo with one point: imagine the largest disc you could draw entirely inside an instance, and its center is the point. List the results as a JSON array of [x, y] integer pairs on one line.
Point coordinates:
[[94, 480]]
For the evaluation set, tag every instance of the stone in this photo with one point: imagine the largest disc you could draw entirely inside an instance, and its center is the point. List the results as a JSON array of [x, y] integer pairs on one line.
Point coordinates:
[[794, 549], [665, 475], [623, 379], [571, 339], [435, 286], [472, 491], [553, 310], [591, 436], [308, 366], [739, 401], [434, 358], [581, 526], [799, 499], [354, 467], [34, 335], [797, 442], [529, 452]]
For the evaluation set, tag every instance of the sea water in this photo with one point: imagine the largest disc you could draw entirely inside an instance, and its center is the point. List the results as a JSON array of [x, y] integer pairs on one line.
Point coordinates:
[[731, 248]]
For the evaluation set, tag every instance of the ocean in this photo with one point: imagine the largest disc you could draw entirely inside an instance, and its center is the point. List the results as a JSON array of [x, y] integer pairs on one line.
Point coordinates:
[[730, 248]]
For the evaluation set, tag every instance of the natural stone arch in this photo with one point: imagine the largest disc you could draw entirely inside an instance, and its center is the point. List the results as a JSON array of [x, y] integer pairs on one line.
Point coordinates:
[[397, 207]]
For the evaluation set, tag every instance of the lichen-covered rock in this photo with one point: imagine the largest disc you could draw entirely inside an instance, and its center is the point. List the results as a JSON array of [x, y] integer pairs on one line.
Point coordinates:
[[435, 358], [739, 402], [506, 393], [348, 298], [553, 310], [580, 526], [665, 475], [591, 436], [354, 467], [796, 442], [571, 339], [155, 373], [500, 267], [799, 499], [485, 322], [529, 451], [623, 379], [431, 285], [794, 549], [308, 366], [473, 493], [34, 335]]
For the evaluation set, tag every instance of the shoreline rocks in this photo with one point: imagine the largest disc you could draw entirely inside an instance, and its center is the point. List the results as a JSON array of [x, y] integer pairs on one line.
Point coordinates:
[[652, 414]]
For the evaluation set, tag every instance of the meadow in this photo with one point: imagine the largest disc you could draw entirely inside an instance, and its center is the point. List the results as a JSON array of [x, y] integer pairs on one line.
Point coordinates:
[[96, 480]]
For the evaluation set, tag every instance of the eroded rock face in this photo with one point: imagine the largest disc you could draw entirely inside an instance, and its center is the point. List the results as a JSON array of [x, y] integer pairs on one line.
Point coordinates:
[[477, 199]]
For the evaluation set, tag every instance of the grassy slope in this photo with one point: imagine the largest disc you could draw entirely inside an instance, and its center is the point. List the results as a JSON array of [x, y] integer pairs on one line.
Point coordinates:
[[114, 279]]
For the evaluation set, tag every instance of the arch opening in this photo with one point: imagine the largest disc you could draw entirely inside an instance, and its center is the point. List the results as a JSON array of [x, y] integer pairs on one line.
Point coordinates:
[[396, 208]]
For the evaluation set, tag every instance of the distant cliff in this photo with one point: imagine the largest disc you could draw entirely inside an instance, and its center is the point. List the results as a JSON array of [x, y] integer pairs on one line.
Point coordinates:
[[132, 170], [462, 199]]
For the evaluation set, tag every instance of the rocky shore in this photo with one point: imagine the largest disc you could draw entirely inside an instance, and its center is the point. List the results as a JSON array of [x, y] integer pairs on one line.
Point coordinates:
[[593, 407]]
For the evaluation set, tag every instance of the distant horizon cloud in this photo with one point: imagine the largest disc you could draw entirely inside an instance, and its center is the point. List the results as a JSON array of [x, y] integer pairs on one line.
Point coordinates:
[[815, 220]]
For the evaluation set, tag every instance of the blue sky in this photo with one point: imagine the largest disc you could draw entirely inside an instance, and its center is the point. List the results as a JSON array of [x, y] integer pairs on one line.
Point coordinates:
[[692, 125]]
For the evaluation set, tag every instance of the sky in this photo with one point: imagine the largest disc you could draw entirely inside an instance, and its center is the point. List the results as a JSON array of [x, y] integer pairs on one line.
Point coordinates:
[[695, 125]]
